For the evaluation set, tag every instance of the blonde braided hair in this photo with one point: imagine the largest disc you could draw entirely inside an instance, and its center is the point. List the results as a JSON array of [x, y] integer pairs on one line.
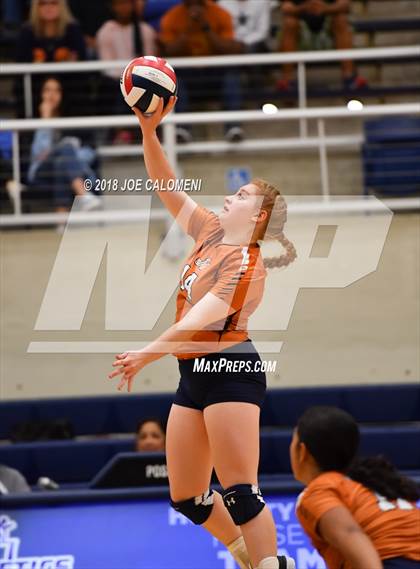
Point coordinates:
[[276, 207]]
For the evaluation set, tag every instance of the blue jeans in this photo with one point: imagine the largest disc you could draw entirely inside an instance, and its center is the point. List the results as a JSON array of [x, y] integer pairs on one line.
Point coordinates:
[[57, 172], [210, 84], [400, 563]]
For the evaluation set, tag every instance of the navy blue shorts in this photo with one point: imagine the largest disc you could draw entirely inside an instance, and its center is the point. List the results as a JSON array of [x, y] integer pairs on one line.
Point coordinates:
[[400, 563], [217, 382]]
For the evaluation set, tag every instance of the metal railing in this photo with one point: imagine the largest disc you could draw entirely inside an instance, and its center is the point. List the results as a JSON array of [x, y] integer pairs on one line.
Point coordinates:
[[321, 141], [302, 114], [300, 58]]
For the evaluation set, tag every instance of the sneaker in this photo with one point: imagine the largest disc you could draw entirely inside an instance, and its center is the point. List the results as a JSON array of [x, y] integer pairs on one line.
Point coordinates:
[[354, 83], [286, 562], [234, 134], [89, 202], [183, 135], [14, 189]]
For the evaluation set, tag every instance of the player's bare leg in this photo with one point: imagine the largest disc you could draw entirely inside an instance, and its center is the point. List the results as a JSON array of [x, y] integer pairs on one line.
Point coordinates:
[[235, 452], [189, 469]]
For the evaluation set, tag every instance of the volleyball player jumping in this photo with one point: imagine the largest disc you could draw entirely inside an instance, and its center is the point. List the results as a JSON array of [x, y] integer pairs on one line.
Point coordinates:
[[214, 421]]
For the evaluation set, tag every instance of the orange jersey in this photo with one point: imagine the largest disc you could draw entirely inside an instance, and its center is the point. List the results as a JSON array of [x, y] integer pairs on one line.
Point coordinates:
[[392, 526], [177, 22], [233, 273]]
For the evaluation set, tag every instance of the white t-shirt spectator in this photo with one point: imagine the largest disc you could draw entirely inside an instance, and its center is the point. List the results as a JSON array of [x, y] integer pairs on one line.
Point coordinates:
[[251, 19], [115, 41]]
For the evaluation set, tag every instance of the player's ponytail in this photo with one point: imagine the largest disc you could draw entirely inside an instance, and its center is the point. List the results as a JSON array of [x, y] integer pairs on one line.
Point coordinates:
[[272, 230], [285, 259], [381, 476]]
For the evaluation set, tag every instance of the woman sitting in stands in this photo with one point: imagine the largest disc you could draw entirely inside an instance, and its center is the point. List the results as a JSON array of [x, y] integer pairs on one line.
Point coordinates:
[[52, 35], [359, 513], [60, 164]]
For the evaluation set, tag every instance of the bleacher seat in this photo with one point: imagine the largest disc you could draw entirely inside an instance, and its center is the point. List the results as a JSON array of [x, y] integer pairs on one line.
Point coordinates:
[[389, 417], [401, 445], [391, 155], [88, 415], [63, 461], [373, 25], [79, 461], [382, 404], [155, 9], [128, 412], [282, 407], [367, 404]]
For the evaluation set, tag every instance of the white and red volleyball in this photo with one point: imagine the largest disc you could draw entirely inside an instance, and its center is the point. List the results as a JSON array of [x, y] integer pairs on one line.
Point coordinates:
[[144, 80]]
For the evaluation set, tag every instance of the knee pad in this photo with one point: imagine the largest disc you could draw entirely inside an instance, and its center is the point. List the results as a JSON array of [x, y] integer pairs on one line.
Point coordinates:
[[196, 509], [244, 502]]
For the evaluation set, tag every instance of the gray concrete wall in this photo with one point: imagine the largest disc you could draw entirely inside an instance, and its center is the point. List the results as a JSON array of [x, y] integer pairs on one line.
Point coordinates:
[[367, 332]]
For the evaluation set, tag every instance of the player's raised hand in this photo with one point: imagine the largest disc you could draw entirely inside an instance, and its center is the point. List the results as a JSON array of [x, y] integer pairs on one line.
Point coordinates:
[[149, 123]]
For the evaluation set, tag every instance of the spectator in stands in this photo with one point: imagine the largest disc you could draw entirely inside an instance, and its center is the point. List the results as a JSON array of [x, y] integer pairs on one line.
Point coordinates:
[[150, 436], [316, 15], [91, 15], [52, 35], [6, 170], [124, 37], [251, 19], [195, 28], [12, 481], [357, 512], [60, 164]]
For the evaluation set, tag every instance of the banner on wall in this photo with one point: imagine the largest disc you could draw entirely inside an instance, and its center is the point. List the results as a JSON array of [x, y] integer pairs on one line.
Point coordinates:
[[131, 535]]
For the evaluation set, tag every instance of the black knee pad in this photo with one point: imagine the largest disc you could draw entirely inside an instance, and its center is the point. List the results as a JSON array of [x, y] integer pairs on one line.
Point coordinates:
[[196, 509], [244, 502]]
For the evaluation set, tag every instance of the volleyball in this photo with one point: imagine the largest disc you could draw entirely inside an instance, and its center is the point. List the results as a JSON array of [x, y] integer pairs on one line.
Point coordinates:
[[144, 80]]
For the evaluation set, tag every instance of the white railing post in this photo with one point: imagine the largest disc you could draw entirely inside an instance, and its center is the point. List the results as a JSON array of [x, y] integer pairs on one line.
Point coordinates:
[[323, 160], [15, 194], [27, 92], [303, 124]]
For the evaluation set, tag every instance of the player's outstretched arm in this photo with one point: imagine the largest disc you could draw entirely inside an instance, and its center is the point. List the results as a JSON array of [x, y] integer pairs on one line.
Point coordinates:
[[178, 203], [175, 339], [339, 528]]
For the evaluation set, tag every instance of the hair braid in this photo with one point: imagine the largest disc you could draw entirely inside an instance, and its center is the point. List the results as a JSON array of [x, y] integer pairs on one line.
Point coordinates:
[[276, 207], [285, 259]]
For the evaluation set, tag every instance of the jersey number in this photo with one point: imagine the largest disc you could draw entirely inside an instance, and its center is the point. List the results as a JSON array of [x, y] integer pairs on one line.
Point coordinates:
[[186, 284], [385, 505]]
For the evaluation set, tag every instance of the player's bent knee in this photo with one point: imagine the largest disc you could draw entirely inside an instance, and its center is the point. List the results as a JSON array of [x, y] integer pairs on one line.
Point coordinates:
[[197, 509], [244, 502]]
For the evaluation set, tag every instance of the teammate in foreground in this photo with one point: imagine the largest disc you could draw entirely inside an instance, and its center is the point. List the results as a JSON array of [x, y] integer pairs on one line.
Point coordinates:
[[214, 420], [359, 514]]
